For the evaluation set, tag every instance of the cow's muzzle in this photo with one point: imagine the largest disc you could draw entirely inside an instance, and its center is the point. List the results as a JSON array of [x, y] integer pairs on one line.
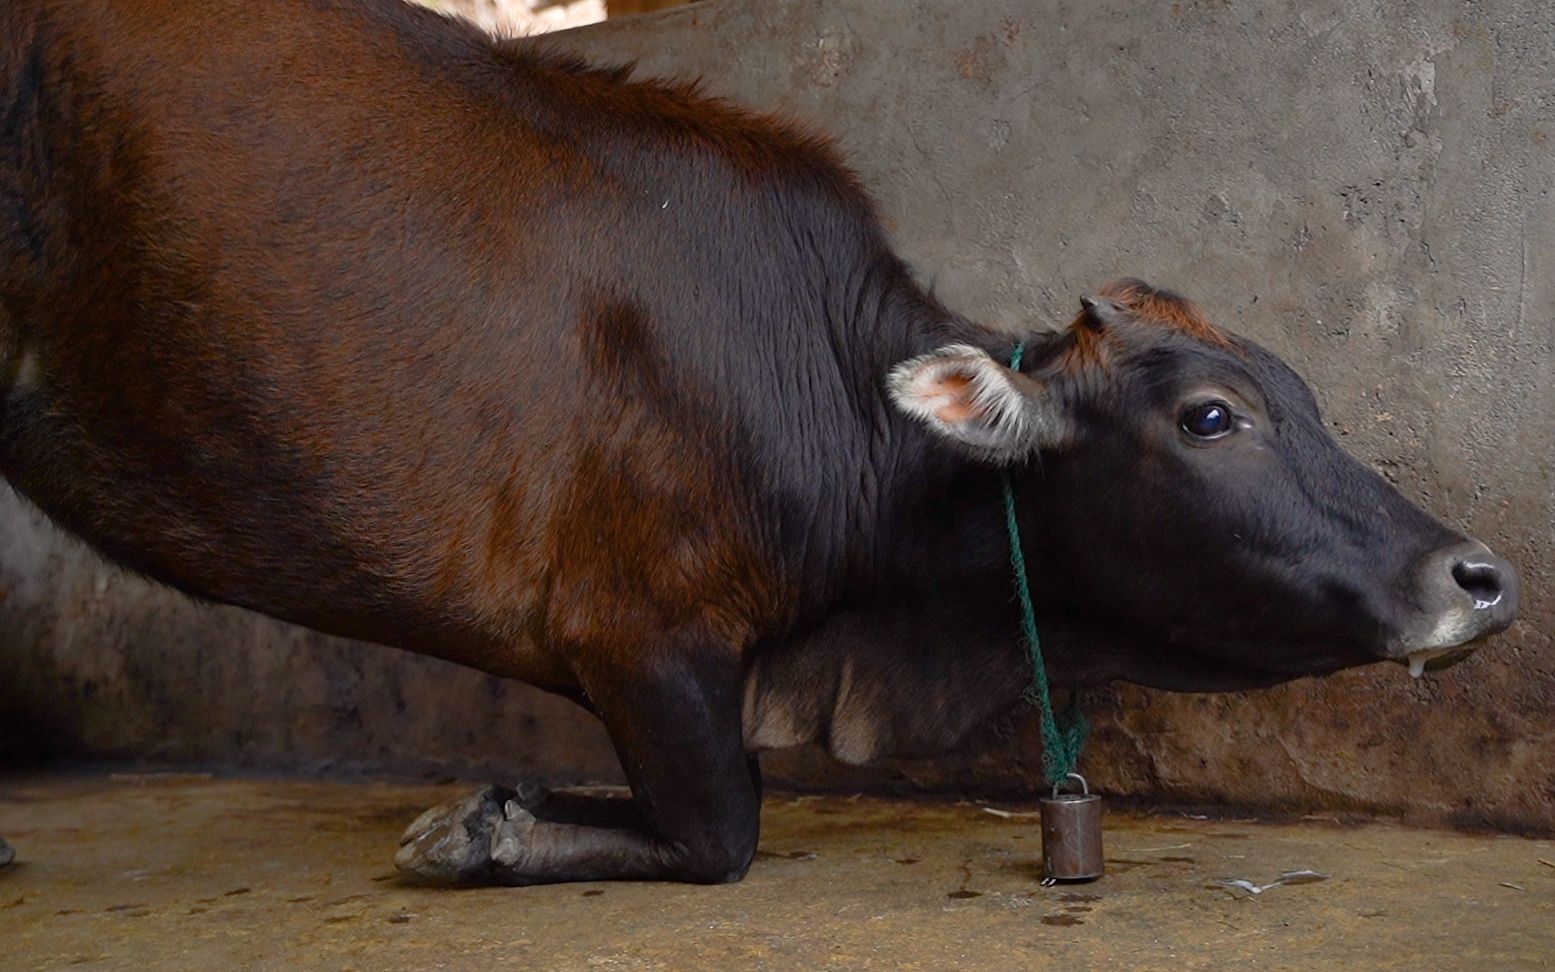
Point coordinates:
[[1465, 593]]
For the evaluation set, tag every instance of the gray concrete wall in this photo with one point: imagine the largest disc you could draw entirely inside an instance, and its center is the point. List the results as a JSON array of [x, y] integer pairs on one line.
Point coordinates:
[[1364, 187]]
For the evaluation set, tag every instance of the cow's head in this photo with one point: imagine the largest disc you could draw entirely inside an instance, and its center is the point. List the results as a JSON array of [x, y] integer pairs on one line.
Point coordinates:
[[1189, 511]]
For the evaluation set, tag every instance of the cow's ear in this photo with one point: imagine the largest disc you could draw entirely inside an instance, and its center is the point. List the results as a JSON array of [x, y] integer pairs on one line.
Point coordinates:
[[966, 396]]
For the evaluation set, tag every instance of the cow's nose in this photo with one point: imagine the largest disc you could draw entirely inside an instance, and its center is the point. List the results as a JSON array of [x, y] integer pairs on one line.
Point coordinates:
[[1467, 592]]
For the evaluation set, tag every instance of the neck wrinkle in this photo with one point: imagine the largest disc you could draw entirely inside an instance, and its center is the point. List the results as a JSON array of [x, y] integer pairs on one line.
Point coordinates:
[[903, 469]]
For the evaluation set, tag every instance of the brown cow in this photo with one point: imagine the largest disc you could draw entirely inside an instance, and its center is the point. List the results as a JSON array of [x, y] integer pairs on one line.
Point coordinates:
[[341, 312]]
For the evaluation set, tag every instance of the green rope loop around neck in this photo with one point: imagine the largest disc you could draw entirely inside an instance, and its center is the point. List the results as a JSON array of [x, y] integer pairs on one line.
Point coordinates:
[[1062, 738]]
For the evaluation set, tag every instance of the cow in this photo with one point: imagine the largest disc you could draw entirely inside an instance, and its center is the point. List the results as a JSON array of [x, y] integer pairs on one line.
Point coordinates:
[[343, 312]]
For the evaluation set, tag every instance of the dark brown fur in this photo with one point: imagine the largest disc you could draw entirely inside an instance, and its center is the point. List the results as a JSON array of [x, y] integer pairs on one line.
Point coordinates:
[[336, 310]]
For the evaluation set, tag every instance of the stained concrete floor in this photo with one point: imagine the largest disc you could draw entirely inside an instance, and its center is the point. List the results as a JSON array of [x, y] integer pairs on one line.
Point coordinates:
[[126, 871]]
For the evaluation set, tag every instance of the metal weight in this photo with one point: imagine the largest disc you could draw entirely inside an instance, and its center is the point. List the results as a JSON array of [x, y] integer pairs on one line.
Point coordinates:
[[1071, 834]]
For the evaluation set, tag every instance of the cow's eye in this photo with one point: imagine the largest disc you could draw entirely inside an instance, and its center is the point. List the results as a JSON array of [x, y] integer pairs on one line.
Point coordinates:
[[1211, 420]]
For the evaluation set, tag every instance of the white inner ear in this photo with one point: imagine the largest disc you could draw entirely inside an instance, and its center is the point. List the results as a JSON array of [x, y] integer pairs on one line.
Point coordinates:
[[965, 395]]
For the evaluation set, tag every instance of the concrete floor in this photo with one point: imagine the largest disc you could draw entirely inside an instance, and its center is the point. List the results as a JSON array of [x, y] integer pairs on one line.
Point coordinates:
[[192, 873]]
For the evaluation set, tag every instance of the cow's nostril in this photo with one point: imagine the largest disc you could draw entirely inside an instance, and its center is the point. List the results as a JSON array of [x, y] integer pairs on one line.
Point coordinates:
[[1484, 578]]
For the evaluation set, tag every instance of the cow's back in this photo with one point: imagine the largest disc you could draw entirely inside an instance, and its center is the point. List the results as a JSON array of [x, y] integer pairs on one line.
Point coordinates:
[[332, 310]]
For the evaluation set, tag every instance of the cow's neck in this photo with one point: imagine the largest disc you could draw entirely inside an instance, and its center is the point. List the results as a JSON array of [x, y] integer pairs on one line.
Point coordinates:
[[912, 509]]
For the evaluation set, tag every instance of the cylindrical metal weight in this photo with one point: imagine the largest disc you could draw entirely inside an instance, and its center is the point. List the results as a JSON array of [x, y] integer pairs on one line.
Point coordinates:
[[1071, 836]]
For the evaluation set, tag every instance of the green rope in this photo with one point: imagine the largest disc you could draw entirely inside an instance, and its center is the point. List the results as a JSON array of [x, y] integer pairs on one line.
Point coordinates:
[[1063, 739]]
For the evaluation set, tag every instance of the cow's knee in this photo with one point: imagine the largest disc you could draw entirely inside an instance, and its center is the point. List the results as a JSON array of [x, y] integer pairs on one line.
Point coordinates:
[[677, 729], [721, 857]]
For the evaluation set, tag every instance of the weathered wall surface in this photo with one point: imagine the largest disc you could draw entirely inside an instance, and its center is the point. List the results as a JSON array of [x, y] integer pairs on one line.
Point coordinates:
[[1365, 187]]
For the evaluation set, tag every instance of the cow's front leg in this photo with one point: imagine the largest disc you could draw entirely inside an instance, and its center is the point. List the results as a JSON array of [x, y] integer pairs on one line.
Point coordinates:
[[695, 810]]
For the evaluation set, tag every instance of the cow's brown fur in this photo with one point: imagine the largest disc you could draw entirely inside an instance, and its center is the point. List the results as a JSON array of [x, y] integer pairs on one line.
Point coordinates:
[[1154, 305], [337, 310], [1089, 344]]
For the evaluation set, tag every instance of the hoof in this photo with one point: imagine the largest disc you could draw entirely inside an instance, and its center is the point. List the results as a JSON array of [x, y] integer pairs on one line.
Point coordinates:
[[510, 841], [7, 855], [452, 843]]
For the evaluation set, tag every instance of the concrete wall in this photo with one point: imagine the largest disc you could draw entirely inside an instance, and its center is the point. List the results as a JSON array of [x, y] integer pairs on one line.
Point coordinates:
[[1365, 187]]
